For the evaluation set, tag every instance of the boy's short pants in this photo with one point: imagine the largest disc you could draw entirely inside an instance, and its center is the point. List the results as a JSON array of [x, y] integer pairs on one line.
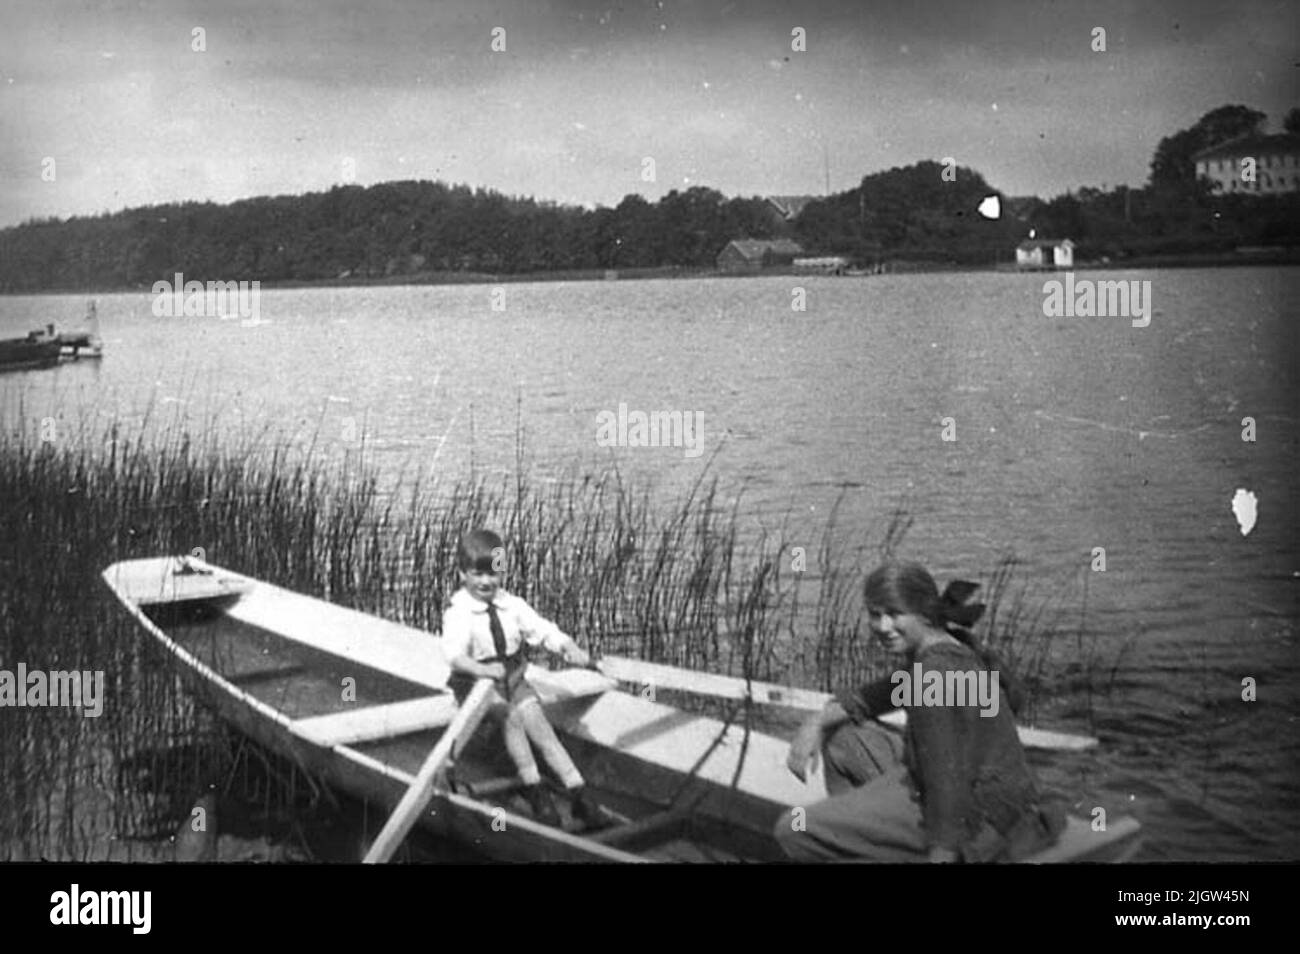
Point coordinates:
[[511, 689]]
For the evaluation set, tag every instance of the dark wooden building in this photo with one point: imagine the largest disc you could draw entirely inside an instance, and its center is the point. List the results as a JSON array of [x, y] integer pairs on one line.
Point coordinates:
[[753, 255]]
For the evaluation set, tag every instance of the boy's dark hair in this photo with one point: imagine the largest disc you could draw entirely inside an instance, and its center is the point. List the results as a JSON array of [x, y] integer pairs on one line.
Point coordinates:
[[481, 550]]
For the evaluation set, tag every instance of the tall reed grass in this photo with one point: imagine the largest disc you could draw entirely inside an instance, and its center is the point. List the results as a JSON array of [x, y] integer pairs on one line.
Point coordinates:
[[682, 581]]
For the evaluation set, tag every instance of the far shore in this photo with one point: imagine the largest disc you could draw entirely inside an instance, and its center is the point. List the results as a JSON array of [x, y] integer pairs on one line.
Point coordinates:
[[1253, 256]]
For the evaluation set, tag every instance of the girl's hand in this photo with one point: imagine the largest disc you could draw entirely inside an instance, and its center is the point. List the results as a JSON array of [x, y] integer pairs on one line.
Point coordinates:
[[805, 751], [494, 670], [942, 856], [578, 656]]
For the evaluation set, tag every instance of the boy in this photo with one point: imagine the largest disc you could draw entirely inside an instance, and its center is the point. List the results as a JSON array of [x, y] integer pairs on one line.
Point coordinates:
[[483, 632]]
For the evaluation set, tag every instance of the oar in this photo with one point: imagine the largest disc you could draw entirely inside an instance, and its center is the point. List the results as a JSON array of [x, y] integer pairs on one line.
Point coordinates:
[[417, 796], [791, 697]]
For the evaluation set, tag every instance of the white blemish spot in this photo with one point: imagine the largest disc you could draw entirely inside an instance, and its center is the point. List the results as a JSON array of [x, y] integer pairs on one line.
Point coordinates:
[[1244, 509]]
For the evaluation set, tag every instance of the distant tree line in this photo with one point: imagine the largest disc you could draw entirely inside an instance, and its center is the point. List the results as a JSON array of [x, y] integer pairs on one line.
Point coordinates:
[[924, 212], [392, 229]]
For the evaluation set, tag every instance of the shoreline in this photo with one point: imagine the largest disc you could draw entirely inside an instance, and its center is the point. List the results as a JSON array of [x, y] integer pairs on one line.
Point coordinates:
[[1261, 256]]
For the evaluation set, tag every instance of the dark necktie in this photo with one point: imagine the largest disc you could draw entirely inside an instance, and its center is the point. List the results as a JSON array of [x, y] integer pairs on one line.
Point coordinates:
[[514, 667], [498, 634]]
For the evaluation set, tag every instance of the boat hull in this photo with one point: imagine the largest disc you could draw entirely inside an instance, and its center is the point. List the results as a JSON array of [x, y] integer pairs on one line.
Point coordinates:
[[271, 663], [471, 823], [21, 353]]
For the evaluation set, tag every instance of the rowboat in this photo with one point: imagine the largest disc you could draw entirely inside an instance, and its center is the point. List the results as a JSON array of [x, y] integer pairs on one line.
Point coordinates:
[[362, 702]]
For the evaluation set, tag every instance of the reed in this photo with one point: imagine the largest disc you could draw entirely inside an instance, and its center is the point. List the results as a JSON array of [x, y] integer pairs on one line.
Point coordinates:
[[686, 582]]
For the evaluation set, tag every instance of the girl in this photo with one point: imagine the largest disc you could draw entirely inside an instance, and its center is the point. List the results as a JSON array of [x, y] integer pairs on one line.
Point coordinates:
[[959, 788]]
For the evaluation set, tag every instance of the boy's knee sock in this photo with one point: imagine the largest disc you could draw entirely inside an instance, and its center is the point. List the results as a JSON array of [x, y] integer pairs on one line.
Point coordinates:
[[569, 775], [558, 759], [529, 774], [543, 736], [520, 752]]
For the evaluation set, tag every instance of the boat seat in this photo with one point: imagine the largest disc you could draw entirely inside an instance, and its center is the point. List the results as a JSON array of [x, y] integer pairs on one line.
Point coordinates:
[[185, 584], [377, 722], [432, 712]]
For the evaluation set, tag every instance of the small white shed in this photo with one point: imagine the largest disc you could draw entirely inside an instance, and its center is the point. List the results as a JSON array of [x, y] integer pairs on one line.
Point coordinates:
[[1034, 253]]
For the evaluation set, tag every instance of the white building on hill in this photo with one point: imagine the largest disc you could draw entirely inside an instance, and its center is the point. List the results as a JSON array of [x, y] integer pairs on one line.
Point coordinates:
[[1276, 167], [1045, 253]]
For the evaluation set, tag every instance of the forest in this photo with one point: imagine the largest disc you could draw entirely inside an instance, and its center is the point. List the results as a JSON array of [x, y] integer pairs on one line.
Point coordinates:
[[427, 231]]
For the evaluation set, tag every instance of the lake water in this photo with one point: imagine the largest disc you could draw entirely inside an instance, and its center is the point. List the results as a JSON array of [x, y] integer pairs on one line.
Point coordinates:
[[1070, 434]]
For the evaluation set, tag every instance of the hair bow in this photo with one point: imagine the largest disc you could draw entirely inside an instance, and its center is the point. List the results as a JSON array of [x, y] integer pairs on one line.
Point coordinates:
[[956, 608]]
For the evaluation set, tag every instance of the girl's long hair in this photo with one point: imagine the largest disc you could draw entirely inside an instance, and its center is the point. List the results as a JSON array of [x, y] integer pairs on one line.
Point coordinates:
[[909, 588]]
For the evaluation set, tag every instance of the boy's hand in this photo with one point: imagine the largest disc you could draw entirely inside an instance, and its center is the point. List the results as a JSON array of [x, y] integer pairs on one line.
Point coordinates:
[[494, 670], [578, 656]]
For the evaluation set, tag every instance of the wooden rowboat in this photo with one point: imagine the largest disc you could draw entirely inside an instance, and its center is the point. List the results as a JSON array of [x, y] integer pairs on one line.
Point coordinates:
[[361, 702]]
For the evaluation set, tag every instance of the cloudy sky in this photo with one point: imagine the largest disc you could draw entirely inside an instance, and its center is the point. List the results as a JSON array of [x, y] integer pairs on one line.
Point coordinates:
[[292, 96]]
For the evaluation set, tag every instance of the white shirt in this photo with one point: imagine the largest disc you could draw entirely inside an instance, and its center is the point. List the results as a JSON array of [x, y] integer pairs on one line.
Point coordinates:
[[467, 632]]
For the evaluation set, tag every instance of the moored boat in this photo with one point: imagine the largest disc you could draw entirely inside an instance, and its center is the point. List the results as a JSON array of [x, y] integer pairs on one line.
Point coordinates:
[[45, 347], [40, 349], [362, 702]]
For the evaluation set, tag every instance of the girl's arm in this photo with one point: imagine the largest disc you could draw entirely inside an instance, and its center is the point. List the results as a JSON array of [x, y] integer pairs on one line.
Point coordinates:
[[807, 745], [851, 705]]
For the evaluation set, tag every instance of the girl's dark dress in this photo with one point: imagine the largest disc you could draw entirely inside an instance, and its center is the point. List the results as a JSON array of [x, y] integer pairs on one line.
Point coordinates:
[[959, 781]]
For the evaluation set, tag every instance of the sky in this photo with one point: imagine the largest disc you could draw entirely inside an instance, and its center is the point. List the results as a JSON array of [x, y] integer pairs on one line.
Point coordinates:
[[109, 105]]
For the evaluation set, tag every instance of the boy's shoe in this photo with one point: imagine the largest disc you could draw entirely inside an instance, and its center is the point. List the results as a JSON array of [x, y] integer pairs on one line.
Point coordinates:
[[586, 811], [543, 808]]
